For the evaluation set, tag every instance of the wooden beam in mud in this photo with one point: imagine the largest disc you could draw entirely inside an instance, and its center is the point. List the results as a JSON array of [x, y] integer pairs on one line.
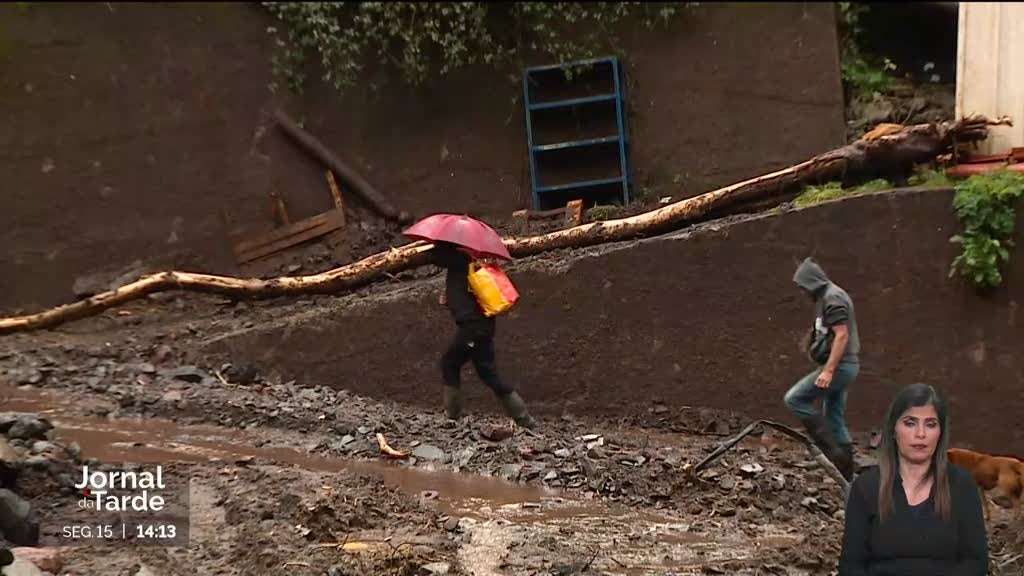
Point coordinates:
[[262, 245], [335, 190]]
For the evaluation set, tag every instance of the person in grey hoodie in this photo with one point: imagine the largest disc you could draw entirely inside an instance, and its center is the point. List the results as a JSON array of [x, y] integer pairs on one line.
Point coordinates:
[[834, 345]]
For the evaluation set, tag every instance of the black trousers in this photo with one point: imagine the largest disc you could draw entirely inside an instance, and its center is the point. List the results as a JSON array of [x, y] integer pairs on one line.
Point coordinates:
[[474, 341]]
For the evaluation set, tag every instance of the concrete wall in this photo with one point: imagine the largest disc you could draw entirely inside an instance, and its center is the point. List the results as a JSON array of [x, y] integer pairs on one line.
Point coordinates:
[[990, 74]]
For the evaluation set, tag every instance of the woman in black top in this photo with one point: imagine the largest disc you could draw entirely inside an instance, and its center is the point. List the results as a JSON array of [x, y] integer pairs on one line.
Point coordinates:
[[474, 340], [915, 514]]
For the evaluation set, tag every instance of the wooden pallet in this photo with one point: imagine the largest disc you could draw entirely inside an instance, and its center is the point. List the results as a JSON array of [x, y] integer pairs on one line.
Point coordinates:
[[250, 247]]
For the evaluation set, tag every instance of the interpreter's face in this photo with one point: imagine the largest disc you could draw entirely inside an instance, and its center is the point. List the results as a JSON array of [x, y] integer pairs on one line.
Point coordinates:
[[917, 434]]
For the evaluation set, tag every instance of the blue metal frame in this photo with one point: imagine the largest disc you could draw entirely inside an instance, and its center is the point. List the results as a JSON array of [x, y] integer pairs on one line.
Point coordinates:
[[621, 139]]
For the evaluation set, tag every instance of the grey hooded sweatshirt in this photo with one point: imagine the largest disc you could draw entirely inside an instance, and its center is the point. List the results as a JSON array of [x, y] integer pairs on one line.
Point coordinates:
[[832, 305]]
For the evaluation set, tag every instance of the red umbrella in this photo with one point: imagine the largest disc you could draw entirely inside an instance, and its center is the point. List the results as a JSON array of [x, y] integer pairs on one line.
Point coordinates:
[[461, 230]]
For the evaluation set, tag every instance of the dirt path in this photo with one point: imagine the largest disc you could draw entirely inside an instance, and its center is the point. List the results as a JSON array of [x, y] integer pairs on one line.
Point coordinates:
[[278, 470]]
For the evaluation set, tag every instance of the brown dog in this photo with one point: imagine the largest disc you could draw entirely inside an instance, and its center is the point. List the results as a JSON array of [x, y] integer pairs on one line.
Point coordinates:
[[991, 472]]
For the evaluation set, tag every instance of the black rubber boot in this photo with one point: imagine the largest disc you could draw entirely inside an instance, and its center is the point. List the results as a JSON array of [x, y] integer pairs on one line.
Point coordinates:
[[819, 433], [516, 408], [844, 461], [453, 402]]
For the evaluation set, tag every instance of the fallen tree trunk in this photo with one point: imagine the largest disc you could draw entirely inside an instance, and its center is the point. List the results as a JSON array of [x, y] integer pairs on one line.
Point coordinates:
[[861, 160], [864, 160], [355, 182], [332, 281]]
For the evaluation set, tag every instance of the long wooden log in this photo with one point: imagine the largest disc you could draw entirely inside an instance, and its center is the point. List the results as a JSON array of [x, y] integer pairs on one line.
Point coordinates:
[[332, 281], [355, 182], [861, 160]]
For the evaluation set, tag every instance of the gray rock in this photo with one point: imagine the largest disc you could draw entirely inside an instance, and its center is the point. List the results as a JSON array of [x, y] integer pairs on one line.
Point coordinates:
[[172, 396], [563, 453], [18, 522], [347, 439], [429, 453], [436, 568], [30, 376], [146, 368], [38, 461], [511, 472], [186, 373], [26, 427], [42, 447], [878, 110], [465, 456]]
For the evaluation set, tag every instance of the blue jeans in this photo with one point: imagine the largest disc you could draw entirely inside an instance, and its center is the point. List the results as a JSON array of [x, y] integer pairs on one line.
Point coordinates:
[[802, 396]]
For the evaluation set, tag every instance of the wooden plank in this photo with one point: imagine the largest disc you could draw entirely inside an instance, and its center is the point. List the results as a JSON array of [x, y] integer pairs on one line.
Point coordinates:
[[335, 191], [574, 212], [326, 223], [280, 211], [256, 240], [538, 214]]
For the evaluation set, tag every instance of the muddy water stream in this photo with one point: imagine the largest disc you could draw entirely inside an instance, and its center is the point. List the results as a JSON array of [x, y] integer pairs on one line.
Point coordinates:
[[498, 514]]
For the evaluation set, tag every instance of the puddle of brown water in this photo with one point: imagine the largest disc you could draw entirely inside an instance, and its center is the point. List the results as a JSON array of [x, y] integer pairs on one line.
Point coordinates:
[[157, 440]]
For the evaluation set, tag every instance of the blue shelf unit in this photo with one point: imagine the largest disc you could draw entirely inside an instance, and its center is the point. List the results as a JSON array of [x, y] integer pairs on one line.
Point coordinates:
[[577, 133]]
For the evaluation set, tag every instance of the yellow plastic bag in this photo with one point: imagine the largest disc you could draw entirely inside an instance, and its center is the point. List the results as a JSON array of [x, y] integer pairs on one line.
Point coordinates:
[[492, 288]]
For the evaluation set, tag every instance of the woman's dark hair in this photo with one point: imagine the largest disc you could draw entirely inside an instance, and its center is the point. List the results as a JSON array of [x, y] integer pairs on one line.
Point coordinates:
[[914, 396]]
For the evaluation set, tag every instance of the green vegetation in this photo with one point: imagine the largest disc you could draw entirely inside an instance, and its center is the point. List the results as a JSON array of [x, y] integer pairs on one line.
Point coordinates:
[[930, 178], [861, 73], [423, 39], [986, 206], [926, 176], [816, 194]]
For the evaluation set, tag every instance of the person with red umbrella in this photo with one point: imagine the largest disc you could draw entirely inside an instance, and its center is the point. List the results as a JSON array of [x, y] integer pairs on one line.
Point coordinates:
[[457, 240]]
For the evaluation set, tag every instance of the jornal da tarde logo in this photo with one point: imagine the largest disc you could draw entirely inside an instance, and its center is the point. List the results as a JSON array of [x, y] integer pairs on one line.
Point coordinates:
[[122, 491]]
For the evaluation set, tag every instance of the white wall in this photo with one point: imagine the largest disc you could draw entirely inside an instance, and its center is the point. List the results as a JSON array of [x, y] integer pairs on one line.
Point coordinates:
[[990, 68]]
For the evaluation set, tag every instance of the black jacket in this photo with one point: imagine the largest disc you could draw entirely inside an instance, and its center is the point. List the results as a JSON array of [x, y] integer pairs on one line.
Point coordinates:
[[461, 302]]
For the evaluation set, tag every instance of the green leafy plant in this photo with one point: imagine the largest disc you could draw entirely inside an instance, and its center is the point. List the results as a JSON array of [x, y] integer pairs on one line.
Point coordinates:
[[815, 194], [421, 39], [930, 178], [986, 206], [861, 74]]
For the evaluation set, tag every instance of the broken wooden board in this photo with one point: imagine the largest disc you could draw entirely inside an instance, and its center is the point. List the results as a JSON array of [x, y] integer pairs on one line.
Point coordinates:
[[574, 213], [259, 246], [332, 183], [280, 210], [571, 212]]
